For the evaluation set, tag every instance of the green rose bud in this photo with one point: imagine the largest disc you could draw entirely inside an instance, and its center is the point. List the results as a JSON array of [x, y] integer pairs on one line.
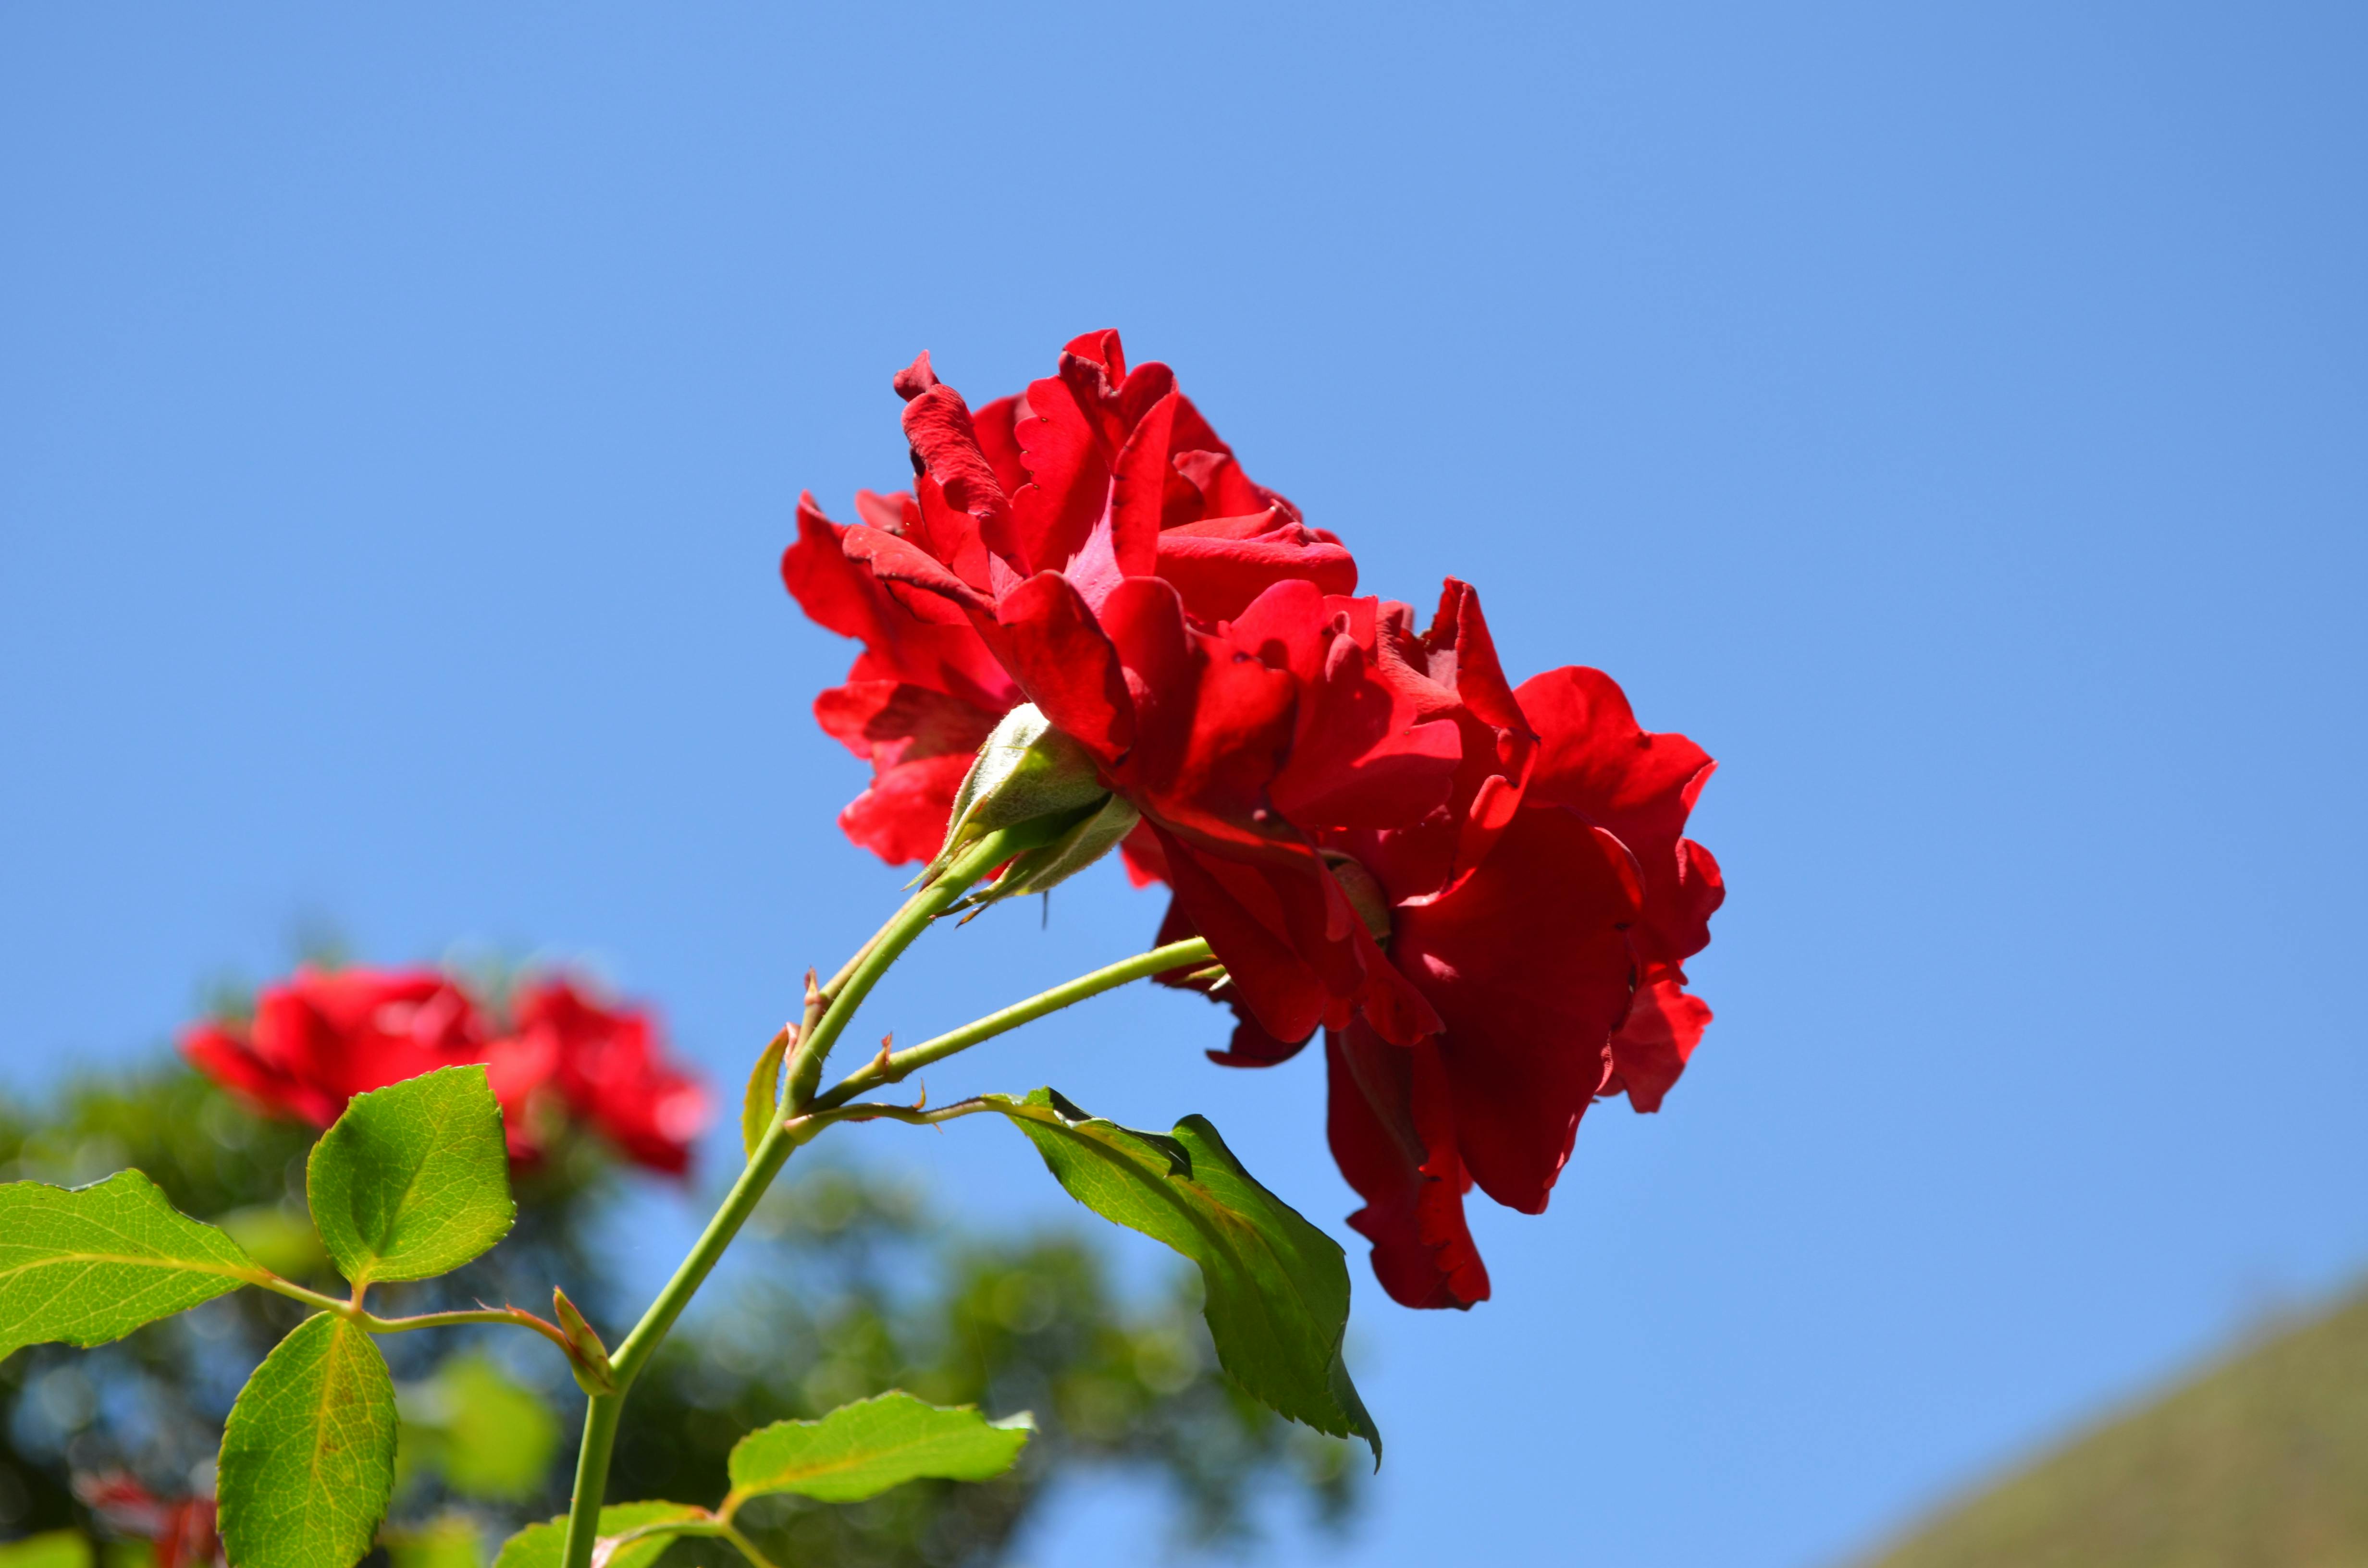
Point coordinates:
[[1030, 772]]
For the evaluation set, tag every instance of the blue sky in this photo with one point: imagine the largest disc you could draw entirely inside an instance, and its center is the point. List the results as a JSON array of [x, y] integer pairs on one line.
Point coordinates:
[[1950, 416]]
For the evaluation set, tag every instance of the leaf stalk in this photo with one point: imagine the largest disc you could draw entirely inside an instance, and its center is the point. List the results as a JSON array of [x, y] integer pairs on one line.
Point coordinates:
[[353, 1312]]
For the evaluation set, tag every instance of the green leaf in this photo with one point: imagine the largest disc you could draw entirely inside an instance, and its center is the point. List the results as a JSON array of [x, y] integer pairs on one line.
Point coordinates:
[[54, 1548], [1277, 1288], [543, 1545], [308, 1455], [413, 1181], [861, 1451], [91, 1264], [760, 1104], [472, 1423]]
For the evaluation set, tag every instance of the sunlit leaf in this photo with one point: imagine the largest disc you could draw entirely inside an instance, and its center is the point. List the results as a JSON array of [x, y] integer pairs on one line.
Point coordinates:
[[412, 1180], [1277, 1288], [308, 1455], [760, 1103], [91, 1264], [543, 1545], [859, 1451]]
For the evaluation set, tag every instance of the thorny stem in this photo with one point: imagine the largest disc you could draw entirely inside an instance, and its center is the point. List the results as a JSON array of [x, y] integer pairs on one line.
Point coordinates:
[[799, 1117], [873, 1110], [837, 1005], [894, 1066]]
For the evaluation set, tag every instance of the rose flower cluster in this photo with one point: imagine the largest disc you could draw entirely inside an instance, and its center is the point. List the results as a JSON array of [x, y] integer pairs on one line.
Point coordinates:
[[1481, 893], [323, 1037]]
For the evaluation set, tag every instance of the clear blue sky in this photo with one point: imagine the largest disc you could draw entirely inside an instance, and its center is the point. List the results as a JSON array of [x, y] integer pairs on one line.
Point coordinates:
[[1951, 417]]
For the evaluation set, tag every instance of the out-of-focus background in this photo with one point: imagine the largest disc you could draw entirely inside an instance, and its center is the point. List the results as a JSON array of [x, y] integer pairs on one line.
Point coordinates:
[[1952, 418]]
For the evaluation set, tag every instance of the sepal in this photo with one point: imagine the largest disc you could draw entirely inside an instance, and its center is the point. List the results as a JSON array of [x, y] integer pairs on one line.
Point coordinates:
[[1026, 770], [1078, 846]]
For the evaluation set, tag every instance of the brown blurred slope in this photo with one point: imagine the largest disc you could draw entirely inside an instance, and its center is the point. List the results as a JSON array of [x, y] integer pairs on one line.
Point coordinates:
[[2260, 1461]]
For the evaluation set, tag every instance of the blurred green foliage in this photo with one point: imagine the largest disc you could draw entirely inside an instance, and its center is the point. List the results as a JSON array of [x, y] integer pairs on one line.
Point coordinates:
[[51, 1549], [448, 1541], [2260, 1461], [484, 1434], [847, 1286]]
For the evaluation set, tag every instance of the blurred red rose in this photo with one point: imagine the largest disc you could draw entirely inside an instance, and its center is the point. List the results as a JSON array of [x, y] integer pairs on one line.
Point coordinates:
[[181, 1528], [610, 1066], [322, 1037]]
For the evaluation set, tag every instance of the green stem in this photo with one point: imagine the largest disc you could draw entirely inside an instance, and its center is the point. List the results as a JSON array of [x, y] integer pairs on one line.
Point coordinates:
[[600, 1414], [852, 984], [772, 1153], [892, 1067], [846, 971]]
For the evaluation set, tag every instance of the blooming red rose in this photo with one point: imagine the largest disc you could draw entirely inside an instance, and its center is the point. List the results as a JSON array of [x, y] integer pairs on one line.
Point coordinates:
[[1318, 782], [1104, 550], [1554, 964], [1084, 468], [321, 1038]]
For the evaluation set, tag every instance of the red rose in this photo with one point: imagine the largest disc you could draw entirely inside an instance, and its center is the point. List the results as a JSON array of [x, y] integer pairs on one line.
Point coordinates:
[[922, 696], [1104, 549], [1038, 472], [611, 1069], [320, 1039], [1485, 896], [1554, 966]]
